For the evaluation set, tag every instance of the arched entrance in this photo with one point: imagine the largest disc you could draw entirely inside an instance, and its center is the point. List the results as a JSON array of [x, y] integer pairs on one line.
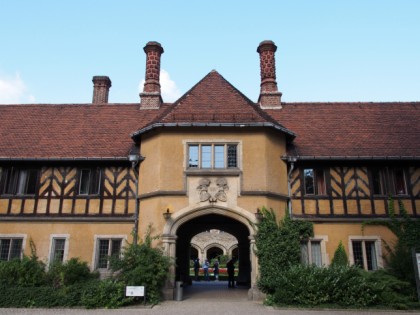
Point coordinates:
[[185, 224], [214, 251], [212, 221]]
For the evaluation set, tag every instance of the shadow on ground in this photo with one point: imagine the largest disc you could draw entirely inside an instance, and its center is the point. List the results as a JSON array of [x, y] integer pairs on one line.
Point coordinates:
[[217, 290]]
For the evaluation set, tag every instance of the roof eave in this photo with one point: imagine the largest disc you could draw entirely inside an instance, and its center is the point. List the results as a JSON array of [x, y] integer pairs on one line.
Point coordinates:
[[289, 133], [294, 158], [63, 159]]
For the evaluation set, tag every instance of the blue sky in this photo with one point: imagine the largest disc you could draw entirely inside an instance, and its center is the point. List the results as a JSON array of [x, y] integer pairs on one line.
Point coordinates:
[[328, 50]]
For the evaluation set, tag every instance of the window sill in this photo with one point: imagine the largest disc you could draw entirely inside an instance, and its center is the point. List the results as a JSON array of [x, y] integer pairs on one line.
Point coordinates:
[[213, 172]]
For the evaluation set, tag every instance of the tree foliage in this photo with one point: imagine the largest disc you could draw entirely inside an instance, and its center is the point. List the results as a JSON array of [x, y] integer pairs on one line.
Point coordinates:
[[340, 256]]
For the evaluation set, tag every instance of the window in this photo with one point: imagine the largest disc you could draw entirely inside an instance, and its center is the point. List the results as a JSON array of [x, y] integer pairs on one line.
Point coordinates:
[[89, 181], [399, 181], [365, 254], [58, 250], [314, 181], [19, 181], [105, 249], [212, 156], [10, 248], [311, 253], [378, 182]]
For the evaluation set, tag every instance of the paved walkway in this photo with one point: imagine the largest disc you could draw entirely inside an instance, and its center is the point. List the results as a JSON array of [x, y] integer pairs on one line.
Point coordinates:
[[202, 298]]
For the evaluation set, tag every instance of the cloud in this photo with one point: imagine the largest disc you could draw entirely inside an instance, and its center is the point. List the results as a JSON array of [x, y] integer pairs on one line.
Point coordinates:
[[169, 90], [14, 91]]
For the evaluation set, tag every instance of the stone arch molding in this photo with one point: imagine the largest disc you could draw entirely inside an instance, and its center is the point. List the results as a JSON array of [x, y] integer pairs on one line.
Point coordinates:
[[169, 236], [217, 245], [180, 217]]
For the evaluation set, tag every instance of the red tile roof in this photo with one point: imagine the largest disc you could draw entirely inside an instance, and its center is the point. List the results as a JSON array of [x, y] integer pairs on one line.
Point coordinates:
[[214, 101], [69, 131], [352, 129], [323, 130]]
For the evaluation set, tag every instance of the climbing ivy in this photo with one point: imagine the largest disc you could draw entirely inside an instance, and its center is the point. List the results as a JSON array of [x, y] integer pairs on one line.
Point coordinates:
[[407, 230], [278, 246]]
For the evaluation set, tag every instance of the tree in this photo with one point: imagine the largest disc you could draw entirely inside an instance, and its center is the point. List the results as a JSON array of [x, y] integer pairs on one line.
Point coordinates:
[[340, 256]]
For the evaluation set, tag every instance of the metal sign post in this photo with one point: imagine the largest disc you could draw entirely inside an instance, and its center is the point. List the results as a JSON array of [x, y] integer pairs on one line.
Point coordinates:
[[135, 291]]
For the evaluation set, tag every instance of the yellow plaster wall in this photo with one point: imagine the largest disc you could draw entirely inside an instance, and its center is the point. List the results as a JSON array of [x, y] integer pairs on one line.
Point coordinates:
[[341, 231], [81, 241], [165, 153]]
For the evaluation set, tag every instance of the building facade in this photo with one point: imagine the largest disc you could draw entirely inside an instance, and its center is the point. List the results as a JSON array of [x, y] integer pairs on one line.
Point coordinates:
[[76, 180]]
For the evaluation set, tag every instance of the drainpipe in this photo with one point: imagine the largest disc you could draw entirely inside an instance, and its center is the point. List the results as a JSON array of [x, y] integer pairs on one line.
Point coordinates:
[[292, 160], [136, 159]]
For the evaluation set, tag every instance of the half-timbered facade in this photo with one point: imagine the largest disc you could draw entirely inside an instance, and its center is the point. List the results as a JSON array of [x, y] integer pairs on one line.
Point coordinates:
[[80, 180]]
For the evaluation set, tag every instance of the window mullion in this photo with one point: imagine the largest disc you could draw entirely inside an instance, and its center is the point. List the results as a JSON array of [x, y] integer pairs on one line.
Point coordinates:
[[199, 157], [213, 158], [365, 264], [225, 155]]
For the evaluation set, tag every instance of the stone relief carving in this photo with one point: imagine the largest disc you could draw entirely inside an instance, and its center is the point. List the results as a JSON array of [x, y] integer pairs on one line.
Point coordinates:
[[211, 193]]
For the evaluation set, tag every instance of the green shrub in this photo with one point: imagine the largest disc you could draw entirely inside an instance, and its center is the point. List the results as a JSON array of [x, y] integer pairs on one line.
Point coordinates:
[[68, 273], [311, 286], [143, 265], [340, 256], [105, 293], [28, 271], [390, 290]]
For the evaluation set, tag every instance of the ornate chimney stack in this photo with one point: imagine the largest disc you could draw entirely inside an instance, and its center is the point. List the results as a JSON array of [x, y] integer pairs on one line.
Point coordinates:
[[101, 85], [270, 97], [151, 97]]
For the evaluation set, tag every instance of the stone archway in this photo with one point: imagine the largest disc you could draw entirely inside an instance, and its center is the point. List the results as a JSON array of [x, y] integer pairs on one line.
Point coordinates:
[[186, 223], [213, 251]]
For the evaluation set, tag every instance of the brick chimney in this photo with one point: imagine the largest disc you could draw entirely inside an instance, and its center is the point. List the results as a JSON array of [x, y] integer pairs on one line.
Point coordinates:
[[270, 97], [101, 85], [151, 97]]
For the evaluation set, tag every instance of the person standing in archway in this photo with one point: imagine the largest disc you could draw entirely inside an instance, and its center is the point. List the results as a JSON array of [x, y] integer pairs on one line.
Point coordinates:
[[216, 269], [231, 272], [206, 270], [196, 268]]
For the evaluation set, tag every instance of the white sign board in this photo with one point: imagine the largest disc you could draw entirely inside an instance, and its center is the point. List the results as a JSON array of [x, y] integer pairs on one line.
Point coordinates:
[[418, 263], [134, 291]]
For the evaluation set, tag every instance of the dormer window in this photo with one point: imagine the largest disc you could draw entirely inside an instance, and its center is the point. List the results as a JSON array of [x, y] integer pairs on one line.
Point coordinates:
[[212, 156]]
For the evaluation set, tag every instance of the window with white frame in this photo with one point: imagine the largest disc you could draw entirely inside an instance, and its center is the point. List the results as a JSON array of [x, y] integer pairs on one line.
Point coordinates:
[[106, 248], [365, 253], [10, 247], [313, 252], [212, 155], [59, 248]]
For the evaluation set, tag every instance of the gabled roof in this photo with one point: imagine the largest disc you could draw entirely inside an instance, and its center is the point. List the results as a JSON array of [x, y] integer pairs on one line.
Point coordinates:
[[213, 101], [352, 130], [70, 131]]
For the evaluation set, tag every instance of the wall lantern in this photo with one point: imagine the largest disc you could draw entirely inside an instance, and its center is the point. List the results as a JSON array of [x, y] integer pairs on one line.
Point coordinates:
[[167, 214]]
